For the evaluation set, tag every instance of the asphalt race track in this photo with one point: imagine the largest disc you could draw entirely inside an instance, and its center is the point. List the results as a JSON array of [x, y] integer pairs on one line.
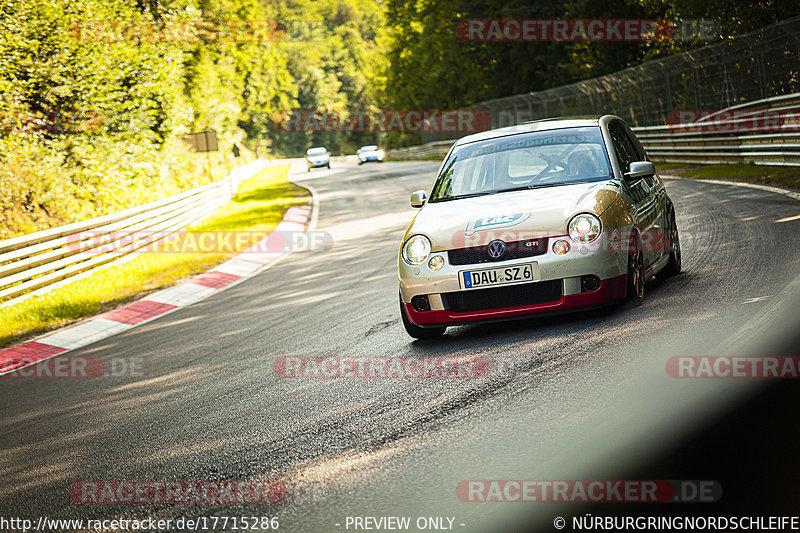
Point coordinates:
[[581, 396]]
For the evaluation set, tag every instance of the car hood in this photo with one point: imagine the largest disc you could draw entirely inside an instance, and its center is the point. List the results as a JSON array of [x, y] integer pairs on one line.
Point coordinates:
[[510, 216]]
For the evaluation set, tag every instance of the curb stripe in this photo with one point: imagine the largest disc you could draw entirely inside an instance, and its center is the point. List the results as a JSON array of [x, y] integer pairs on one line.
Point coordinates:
[[181, 295], [260, 259], [237, 267], [214, 279], [29, 352], [137, 312], [235, 270], [85, 333]]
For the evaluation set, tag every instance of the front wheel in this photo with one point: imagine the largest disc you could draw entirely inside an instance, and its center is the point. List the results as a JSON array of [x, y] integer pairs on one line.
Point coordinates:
[[635, 292], [674, 265], [416, 331]]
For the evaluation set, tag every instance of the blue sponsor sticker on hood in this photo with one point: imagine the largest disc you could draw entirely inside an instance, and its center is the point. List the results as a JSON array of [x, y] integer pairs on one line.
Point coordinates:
[[495, 222]]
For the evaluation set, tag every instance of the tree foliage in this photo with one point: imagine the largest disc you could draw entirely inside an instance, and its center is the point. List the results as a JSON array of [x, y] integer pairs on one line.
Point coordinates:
[[335, 53], [89, 124], [96, 95], [430, 67]]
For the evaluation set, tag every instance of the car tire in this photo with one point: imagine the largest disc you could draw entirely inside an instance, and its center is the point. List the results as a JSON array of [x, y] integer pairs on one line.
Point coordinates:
[[360, 162], [416, 331], [636, 279], [674, 265]]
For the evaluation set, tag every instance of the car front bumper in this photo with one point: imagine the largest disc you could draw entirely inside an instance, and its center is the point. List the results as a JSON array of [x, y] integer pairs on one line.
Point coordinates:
[[609, 267], [611, 290]]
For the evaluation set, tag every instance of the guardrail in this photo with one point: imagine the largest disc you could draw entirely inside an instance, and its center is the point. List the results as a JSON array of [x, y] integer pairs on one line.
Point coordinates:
[[33, 263], [431, 150], [763, 132]]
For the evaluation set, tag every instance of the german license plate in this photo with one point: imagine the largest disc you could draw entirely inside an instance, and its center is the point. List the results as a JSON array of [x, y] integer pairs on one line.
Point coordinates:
[[474, 279]]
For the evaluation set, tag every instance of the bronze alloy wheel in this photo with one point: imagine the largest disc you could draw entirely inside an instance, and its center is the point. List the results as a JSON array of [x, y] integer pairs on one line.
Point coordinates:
[[674, 265], [635, 271]]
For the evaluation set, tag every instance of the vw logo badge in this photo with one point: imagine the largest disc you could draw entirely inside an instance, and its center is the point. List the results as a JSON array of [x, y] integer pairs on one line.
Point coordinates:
[[497, 249]]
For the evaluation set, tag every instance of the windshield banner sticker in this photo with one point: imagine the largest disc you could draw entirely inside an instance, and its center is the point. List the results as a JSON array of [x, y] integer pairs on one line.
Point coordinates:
[[530, 143]]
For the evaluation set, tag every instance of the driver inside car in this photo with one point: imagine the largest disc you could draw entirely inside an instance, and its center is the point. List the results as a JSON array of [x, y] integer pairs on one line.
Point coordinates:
[[582, 165]]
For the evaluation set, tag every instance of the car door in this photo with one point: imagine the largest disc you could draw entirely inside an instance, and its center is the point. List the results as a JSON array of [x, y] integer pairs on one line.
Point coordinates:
[[642, 193], [660, 225]]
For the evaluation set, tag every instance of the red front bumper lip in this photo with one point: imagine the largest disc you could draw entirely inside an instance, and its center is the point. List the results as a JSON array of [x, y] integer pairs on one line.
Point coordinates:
[[611, 290]]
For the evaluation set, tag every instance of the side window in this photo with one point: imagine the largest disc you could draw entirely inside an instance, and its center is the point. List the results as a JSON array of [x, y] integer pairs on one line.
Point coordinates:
[[641, 155], [470, 177], [622, 146]]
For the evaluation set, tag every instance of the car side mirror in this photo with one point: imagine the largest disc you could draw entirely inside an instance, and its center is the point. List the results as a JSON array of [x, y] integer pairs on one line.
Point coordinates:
[[418, 198], [639, 170]]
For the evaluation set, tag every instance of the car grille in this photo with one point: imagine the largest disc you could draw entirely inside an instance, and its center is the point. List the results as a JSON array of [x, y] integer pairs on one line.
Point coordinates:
[[514, 250], [502, 297]]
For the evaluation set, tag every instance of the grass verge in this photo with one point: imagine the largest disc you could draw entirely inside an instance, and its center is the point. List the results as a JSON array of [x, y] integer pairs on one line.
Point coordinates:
[[258, 207], [778, 176]]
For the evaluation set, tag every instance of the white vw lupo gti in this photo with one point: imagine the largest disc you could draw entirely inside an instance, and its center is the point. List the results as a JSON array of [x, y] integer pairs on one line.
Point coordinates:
[[548, 216]]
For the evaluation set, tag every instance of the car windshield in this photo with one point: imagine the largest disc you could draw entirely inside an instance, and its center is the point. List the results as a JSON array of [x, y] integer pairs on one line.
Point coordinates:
[[317, 151], [368, 148], [525, 161]]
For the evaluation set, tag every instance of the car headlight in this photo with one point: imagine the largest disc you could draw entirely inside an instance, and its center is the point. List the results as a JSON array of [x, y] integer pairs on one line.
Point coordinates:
[[584, 228], [416, 249]]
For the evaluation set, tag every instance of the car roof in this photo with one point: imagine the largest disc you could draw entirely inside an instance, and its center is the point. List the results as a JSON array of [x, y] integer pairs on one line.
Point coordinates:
[[534, 125]]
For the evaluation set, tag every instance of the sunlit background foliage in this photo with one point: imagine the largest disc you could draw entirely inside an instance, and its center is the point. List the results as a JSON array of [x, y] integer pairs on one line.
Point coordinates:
[[88, 126]]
